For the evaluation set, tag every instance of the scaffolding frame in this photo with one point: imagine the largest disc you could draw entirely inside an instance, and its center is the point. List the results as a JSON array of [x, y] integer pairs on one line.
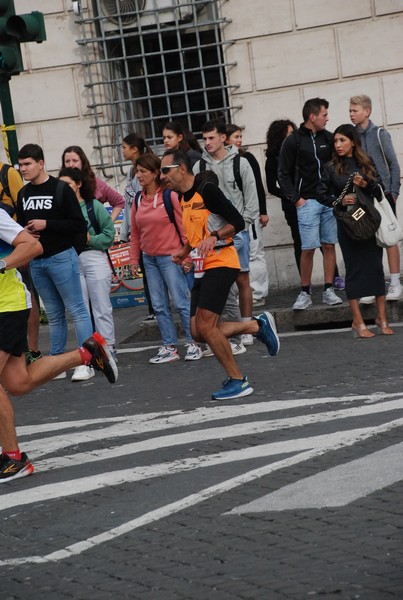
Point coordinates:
[[152, 61]]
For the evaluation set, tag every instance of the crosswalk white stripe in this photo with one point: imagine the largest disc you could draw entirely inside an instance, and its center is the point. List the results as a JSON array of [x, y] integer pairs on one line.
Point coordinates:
[[167, 510], [337, 486], [160, 420], [201, 435], [53, 491]]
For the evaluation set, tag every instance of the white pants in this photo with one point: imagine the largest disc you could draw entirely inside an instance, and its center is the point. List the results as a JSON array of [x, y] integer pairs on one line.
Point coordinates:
[[258, 275], [95, 277]]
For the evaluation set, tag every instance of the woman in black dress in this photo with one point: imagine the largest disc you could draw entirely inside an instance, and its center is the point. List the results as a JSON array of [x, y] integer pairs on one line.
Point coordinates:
[[362, 259]]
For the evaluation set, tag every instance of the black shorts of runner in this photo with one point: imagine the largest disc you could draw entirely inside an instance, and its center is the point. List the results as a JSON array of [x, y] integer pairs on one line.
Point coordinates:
[[211, 291], [13, 332], [391, 201]]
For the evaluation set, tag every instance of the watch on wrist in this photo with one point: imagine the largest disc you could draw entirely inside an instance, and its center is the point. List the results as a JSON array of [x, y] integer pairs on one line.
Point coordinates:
[[3, 266], [215, 234]]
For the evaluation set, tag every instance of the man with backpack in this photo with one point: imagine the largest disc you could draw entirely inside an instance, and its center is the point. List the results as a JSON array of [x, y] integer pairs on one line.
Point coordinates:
[[301, 160], [377, 143], [49, 210], [237, 182], [210, 221]]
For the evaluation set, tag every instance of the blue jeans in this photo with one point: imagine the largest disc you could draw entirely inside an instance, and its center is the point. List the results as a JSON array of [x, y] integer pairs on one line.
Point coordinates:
[[163, 275], [57, 280], [242, 245]]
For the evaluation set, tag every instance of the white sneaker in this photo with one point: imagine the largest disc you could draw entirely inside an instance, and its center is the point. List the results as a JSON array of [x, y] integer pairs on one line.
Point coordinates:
[[237, 348], [303, 301], [207, 352], [82, 373], [330, 298], [247, 339], [367, 300], [193, 352], [258, 301], [395, 292], [61, 375], [165, 354]]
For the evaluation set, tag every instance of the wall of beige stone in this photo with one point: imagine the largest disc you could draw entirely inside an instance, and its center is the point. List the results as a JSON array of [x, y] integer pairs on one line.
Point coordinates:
[[49, 98], [285, 52], [290, 50]]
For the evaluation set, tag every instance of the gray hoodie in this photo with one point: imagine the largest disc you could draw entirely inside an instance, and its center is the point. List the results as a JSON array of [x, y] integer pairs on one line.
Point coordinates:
[[389, 171], [245, 202]]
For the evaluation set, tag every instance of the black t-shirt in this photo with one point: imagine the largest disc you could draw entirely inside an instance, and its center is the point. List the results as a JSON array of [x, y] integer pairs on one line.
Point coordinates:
[[64, 218]]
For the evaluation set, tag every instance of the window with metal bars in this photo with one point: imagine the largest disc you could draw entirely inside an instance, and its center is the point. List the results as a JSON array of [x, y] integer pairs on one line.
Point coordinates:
[[153, 61]]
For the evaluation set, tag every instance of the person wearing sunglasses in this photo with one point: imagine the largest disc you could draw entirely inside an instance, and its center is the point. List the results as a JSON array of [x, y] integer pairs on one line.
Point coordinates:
[[210, 221]]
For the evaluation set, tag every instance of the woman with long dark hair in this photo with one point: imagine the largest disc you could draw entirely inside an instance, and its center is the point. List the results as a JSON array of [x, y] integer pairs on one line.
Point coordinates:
[[363, 259], [95, 271], [177, 137], [277, 132], [134, 146], [74, 157]]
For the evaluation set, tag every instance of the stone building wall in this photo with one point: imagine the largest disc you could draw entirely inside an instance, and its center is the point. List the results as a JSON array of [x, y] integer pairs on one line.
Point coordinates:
[[286, 51], [289, 51]]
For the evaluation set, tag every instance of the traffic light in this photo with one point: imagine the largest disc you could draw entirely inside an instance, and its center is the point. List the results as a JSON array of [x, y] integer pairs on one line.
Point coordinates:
[[10, 52], [16, 29], [27, 28]]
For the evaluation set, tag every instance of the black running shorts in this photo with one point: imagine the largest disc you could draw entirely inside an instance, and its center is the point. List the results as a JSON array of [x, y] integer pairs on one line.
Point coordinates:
[[211, 291], [13, 332]]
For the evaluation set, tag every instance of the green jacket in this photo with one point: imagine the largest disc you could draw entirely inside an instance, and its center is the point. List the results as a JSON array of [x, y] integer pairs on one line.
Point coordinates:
[[104, 239]]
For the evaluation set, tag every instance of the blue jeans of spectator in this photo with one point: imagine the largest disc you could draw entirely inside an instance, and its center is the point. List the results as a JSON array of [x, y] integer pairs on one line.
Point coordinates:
[[163, 275], [57, 280]]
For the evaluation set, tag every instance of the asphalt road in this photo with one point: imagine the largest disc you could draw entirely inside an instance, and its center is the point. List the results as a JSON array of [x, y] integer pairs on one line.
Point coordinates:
[[149, 490]]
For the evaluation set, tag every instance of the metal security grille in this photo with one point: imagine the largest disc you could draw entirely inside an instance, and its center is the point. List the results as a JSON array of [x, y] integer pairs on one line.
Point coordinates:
[[152, 61]]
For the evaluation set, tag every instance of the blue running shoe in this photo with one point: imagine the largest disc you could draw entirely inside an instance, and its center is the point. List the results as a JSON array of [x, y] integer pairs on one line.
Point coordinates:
[[233, 388], [268, 333]]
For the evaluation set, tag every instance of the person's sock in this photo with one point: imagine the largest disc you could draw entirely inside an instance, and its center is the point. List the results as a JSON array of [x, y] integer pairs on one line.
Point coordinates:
[[327, 286], [86, 356], [306, 288], [14, 454], [245, 319], [394, 278]]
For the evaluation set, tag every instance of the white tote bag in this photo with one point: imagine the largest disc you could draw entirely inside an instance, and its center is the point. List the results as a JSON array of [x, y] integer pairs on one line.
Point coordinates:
[[389, 233]]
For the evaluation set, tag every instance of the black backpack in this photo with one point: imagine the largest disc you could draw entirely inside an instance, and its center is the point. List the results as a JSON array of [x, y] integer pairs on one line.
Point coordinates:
[[236, 166], [79, 239]]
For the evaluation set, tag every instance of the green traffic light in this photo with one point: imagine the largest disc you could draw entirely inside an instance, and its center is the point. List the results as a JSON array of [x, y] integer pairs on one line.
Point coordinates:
[[27, 28], [8, 59]]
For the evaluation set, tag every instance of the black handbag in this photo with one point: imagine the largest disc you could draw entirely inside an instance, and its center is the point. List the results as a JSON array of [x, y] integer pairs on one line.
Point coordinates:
[[360, 220]]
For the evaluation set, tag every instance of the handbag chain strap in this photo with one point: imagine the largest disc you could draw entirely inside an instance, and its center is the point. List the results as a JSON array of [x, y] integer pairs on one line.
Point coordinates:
[[344, 192]]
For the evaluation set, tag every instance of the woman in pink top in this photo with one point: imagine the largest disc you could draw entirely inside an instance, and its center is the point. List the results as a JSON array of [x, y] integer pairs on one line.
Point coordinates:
[[74, 157], [159, 238]]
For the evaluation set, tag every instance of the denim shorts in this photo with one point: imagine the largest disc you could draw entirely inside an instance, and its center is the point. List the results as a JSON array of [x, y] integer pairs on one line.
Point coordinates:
[[317, 225], [242, 245]]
